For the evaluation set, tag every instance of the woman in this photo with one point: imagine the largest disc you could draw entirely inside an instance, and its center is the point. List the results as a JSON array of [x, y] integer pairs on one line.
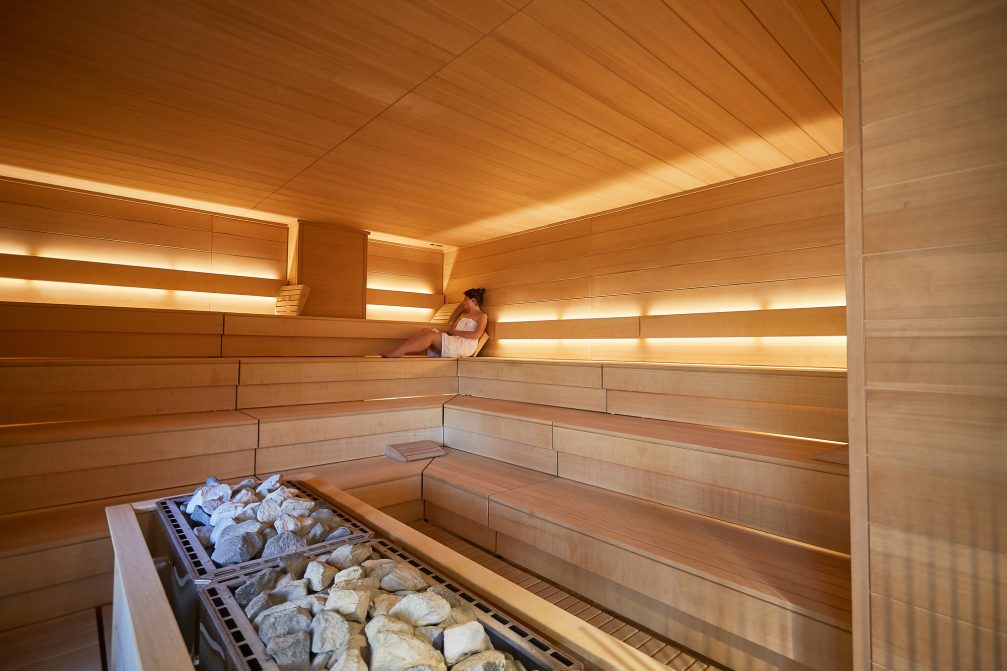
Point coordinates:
[[466, 326]]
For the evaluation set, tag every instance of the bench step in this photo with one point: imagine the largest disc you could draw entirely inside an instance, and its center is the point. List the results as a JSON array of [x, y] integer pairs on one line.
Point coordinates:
[[422, 449]]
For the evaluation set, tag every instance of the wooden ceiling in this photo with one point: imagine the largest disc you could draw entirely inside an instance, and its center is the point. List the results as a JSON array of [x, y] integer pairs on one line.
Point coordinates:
[[451, 121]]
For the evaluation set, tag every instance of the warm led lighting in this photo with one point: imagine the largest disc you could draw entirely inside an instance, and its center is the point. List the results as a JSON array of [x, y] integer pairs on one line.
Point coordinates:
[[399, 313], [412, 285], [152, 256], [44, 291]]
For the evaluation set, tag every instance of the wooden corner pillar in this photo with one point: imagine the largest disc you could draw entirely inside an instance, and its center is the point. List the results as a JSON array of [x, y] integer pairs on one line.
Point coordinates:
[[332, 260]]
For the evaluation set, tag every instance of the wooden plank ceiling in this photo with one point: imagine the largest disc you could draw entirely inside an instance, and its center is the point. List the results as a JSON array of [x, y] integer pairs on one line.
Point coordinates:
[[451, 121]]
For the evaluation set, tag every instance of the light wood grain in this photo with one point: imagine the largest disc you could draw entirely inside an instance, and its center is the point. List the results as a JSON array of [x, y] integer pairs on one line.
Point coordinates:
[[140, 609], [550, 394], [336, 450], [462, 525], [332, 260], [70, 641]]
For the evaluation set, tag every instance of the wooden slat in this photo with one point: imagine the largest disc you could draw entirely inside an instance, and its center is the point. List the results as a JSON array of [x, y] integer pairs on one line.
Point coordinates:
[[404, 298], [584, 398], [577, 375], [69, 642], [336, 450], [260, 395], [781, 418], [277, 371], [139, 640], [502, 449], [88, 272], [451, 520]]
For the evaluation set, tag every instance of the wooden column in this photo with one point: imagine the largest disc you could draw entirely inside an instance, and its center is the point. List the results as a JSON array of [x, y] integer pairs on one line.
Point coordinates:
[[332, 260], [925, 108]]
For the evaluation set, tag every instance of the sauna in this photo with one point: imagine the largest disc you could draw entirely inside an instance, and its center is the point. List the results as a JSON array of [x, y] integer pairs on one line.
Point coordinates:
[[738, 404]]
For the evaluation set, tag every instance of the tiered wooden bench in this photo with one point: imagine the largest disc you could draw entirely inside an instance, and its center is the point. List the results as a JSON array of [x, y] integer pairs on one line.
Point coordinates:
[[727, 539]]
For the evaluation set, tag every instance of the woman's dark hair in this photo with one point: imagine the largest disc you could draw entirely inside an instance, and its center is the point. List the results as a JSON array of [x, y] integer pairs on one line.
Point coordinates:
[[476, 295]]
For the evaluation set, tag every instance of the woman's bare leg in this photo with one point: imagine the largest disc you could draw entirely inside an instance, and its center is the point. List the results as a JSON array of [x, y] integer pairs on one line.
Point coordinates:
[[418, 342]]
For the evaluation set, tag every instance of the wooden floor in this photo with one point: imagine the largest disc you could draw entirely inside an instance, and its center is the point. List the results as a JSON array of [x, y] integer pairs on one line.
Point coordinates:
[[664, 651]]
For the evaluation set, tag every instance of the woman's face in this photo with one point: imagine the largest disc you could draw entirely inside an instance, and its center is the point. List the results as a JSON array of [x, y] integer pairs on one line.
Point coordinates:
[[469, 303]]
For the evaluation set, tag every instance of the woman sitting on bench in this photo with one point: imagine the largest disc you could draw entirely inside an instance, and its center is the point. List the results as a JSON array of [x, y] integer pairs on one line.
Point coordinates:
[[466, 326]]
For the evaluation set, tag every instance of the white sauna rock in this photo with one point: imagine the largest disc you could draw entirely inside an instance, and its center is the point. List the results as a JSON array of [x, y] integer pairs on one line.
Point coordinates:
[[291, 652], [283, 622], [360, 583], [319, 575], [259, 604], [339, 533], [219, 528], [297, 507], [211, 491], [268, 485], [378, 568], [286, 523], [397, 651], [229, 509], [203, 536], [351, 603], [462, 640], [321, 661], [447, 594], [317, 533], [434, 634], [351, 660], [249, 512], [422, 609], [238, 528], [324, 515], [352, 573], [268, 511], [247, 483], [350, 555], [244, 496], [491, 660], [292, 590], [329, 632], [267, 533], [403, 577], [236, 549], [283, 605], [282, 493], [282, 544], [313, 602], [381, 623], [256, 584], [295, 564], [460, 615], [383, 603]]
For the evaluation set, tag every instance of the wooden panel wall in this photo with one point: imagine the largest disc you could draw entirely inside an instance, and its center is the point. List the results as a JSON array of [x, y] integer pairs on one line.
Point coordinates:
[[85, 248], [774, 241], [403, 283], [332, 260], [929, 409]]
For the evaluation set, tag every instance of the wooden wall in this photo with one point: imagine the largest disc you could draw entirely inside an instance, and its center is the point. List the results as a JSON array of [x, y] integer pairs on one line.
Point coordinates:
[[59, 245], [403, 283], [926, 106], [331, 259], [774, 241]]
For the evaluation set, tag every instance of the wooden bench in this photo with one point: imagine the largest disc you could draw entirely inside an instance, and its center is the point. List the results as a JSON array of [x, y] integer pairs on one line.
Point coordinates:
[[806, 402], [766, 482], [748, 599], [456, 491], [49, 390], [271, 382], [61, 557], [297, 436]]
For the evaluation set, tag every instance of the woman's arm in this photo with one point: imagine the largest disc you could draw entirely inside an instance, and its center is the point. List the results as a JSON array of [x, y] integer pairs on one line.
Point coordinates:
[[472, 335]]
